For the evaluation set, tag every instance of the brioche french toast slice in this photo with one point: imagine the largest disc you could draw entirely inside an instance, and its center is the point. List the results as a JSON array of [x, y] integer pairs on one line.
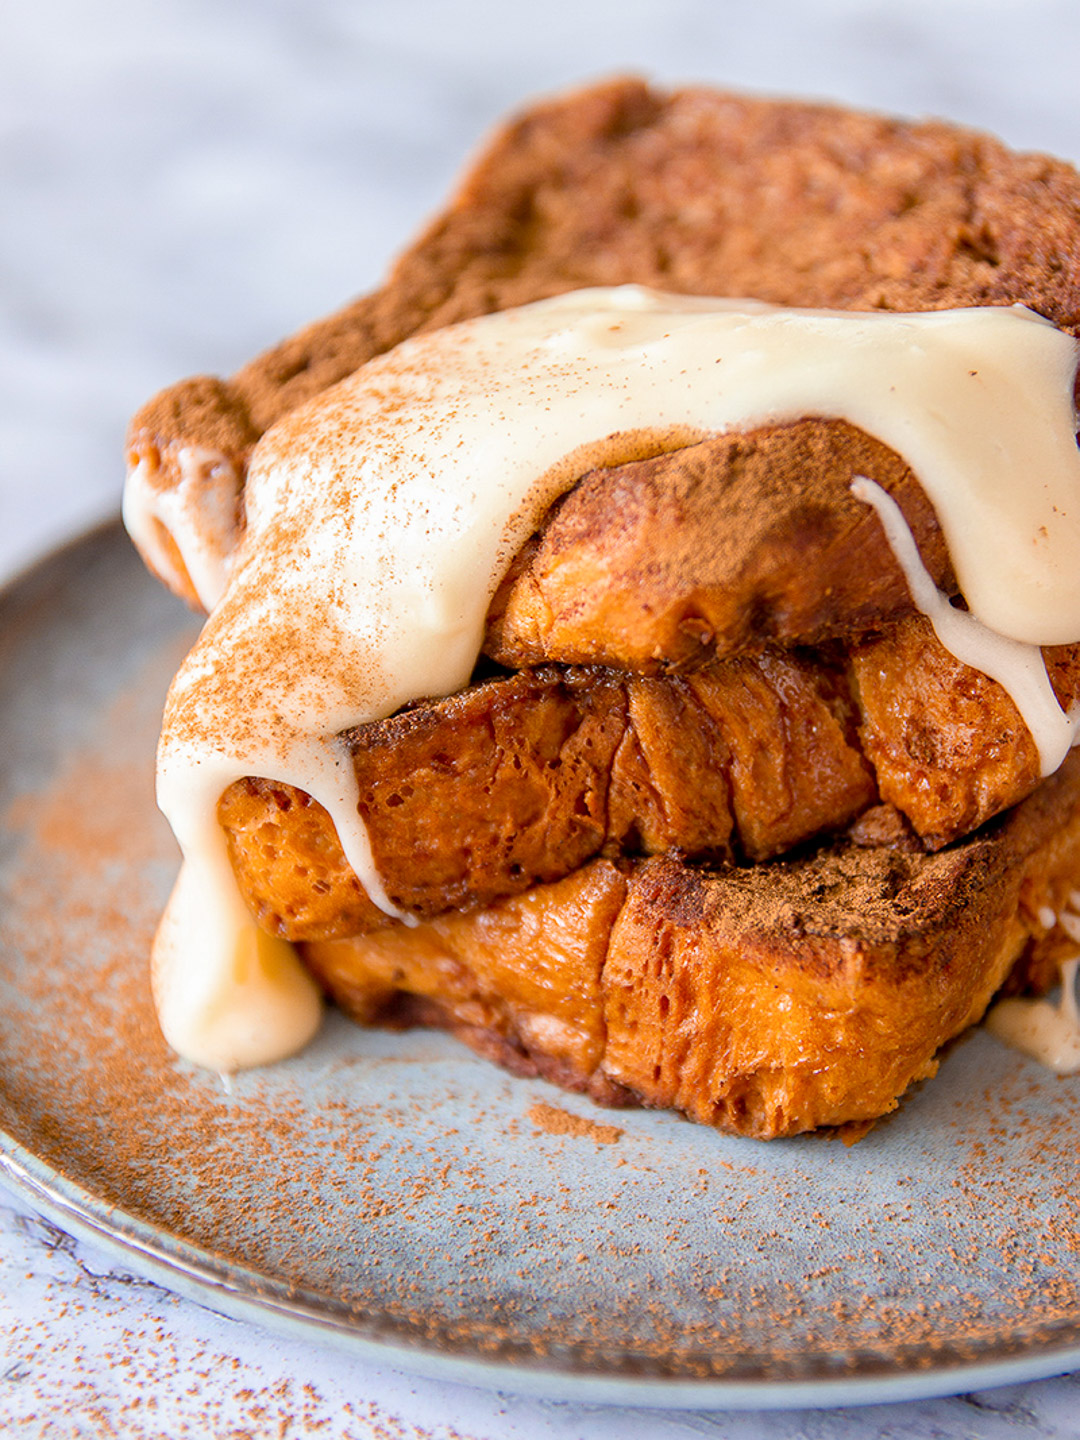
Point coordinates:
[[721, 548], [764, 1000], [522, 779], [525, 778], [692, 191]]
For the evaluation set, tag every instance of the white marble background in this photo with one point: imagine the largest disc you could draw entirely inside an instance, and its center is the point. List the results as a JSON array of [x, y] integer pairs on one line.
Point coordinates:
[[181, 183]]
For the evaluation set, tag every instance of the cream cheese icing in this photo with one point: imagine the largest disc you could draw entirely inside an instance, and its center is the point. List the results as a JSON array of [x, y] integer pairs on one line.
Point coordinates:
[[198, 513], [382, 515], [1018, 668], [1047, 1032]]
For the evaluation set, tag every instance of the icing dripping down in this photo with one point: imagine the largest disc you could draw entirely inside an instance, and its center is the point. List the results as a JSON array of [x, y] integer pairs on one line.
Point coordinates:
[[1019, 668], [1048, 1033]]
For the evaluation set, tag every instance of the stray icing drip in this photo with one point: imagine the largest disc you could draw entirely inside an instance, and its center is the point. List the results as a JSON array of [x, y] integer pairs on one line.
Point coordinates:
[[1018, 668], [198, 513], [382, 515], [1048, 1033]]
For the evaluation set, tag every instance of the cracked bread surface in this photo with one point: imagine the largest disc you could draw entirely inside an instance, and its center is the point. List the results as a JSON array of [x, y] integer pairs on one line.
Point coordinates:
[[525, 778]]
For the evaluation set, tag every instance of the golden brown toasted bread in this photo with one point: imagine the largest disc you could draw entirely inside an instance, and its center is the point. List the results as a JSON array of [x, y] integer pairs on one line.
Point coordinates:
[[765, 1000], [762, 544], [523, 779]]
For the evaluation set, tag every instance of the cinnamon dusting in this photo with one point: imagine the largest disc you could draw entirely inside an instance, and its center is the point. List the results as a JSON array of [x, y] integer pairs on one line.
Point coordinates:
[[550, 1120]]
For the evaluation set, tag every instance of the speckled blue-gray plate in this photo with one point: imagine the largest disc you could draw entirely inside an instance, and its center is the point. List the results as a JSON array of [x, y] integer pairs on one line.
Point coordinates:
[[396, 1195]]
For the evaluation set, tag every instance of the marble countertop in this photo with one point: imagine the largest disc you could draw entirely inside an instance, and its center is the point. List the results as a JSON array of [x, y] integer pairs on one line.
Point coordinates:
[[182, 184]]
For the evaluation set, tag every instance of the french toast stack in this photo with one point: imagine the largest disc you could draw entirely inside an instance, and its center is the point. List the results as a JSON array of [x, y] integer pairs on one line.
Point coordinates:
[[719, 825]]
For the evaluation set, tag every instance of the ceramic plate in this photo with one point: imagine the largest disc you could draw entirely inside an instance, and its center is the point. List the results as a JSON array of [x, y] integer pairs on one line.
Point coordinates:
[[395, 1195]]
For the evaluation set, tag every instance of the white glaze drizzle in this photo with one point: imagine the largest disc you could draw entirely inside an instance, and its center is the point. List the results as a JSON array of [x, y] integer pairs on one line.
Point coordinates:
[[1048, 1033], [198, 512], [381, 516], [1019, 668]]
